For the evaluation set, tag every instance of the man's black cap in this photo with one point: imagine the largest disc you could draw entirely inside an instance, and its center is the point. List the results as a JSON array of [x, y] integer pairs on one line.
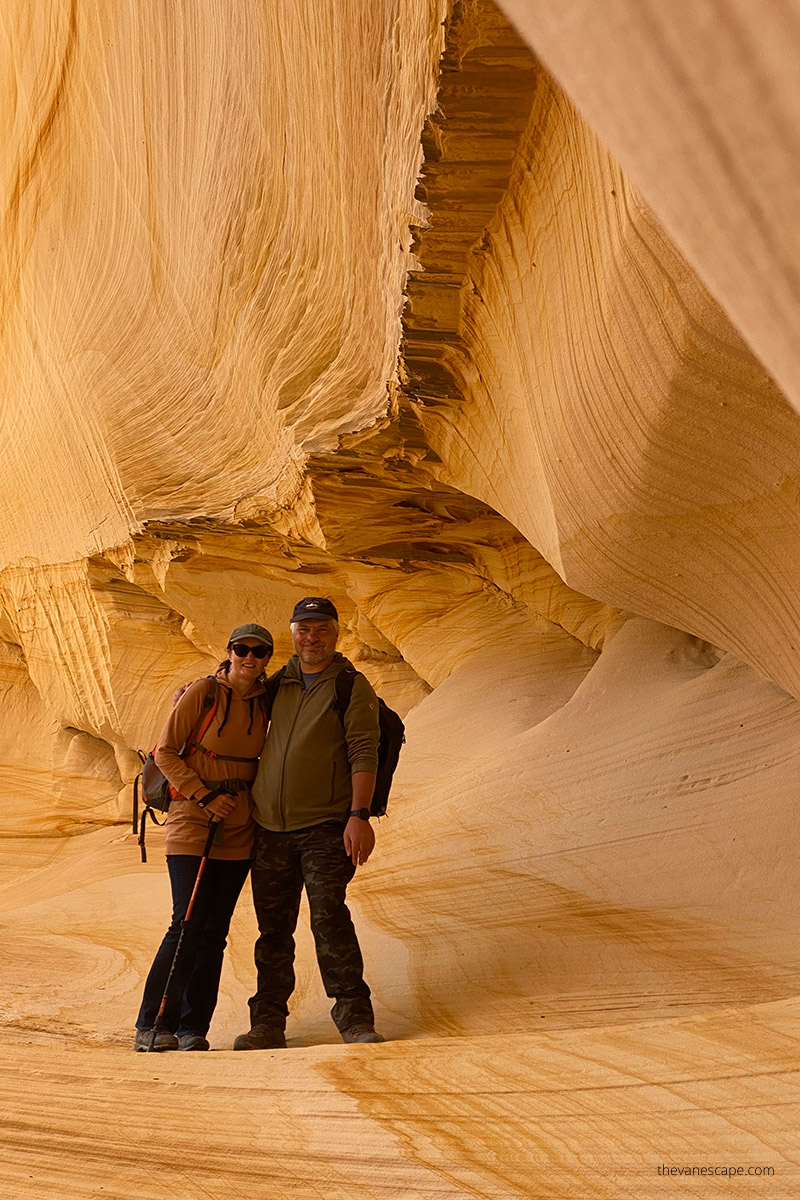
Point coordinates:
[[314, 608]]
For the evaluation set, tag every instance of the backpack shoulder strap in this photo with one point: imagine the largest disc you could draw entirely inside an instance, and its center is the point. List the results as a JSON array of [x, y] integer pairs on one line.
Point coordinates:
[[343, 689], [272, 684], [190, 746], [210, 702]]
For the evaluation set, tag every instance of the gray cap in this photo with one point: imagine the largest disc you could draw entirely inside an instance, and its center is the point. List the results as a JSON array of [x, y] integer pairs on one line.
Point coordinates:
[[252, 631]]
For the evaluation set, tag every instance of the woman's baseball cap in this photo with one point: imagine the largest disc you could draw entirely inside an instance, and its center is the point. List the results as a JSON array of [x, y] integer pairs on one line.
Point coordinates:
[[252, 631]]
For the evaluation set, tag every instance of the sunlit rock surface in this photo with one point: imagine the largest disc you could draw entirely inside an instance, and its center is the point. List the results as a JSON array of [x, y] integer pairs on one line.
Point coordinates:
[[361, 300], [699, 102]]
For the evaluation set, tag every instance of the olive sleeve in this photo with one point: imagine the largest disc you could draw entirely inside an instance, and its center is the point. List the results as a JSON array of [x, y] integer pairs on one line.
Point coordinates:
[[361, 728]]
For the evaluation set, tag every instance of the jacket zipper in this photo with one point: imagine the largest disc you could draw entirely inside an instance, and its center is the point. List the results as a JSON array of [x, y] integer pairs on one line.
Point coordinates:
[[281, 794]]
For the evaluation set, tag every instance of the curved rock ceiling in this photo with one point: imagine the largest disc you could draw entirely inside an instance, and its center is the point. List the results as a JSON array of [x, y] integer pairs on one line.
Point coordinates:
[[481, 330]]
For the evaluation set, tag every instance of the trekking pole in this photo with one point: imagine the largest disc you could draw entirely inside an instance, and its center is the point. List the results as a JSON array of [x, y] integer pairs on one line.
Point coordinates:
[[212, 829]]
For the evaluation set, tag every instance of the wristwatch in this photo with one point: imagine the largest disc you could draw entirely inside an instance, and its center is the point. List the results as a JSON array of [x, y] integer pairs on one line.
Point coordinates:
[[363, 813]]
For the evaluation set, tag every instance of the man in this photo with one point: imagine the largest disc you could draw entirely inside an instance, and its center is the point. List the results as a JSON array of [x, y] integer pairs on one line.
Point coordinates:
[[312, 796]]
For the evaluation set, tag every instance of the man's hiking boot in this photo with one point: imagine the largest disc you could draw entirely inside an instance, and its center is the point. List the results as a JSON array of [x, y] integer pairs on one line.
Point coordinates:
[[360, 1033], [261, 1037], [192, 1041], [164, 1040]]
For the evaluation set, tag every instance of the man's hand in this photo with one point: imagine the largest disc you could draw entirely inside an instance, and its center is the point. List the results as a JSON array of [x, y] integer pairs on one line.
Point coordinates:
[[176, 695], [359, 840]]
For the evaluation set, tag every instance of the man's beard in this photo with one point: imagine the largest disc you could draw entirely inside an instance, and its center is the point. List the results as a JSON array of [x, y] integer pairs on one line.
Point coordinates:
[[312, 657]]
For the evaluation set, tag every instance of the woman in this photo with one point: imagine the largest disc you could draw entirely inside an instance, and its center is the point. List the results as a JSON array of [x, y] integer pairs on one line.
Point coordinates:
[[227, 747]]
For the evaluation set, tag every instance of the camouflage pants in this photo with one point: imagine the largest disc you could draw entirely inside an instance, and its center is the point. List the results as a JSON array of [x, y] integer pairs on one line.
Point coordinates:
[[282, 864]]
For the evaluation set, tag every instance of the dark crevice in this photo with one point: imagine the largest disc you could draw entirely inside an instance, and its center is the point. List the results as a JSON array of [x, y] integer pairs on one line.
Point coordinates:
[[487, 85]]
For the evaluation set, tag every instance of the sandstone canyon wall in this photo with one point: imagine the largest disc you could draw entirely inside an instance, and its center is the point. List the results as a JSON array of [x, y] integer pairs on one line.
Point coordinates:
[[404, 304]]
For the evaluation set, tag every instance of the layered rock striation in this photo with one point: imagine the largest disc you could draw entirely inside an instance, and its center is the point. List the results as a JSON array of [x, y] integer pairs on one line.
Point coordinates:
[[409, 306], [563, 372]]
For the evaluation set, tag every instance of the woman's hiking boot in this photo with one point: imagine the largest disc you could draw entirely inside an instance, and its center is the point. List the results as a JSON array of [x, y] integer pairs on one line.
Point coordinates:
[[261, 1037], [164, 1040]]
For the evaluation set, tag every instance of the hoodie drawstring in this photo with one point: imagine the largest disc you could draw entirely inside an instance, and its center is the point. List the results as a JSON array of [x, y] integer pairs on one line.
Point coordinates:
[[227, 710], [250, 726]]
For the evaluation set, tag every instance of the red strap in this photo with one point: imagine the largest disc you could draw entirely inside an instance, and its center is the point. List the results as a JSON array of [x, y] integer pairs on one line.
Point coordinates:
[[202, 727]]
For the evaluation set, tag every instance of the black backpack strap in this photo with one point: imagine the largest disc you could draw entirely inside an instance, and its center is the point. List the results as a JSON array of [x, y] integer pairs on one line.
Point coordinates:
[[135, 821], [343, 689], [135, 814], [272, 684], [145, 813]]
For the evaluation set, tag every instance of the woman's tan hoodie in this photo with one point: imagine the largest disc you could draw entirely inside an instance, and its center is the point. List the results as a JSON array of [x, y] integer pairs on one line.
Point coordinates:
[[238, 728]]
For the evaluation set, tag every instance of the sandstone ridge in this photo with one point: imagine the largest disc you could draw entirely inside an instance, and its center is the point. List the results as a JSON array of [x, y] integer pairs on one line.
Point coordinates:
[[419, 306]]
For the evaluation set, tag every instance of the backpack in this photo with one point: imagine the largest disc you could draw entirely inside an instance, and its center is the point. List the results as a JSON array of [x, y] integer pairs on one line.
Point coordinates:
[[392, 732], [157, 791]]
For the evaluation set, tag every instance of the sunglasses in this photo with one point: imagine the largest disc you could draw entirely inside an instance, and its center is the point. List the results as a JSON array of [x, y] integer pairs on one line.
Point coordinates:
[[242, 651]]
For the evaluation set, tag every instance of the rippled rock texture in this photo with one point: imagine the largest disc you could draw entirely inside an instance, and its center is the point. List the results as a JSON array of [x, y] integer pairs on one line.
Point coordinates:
[[488, 331]]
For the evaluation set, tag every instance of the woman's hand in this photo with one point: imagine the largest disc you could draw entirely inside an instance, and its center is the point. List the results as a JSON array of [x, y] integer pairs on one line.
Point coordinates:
[[221, 806]]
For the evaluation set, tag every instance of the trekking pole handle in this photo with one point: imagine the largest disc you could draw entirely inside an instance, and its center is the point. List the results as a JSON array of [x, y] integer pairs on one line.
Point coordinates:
[[212, 832], [214, 820], [228, 787]]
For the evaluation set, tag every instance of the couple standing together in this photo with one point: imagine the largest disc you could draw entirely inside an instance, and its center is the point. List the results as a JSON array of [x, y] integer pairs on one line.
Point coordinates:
[[305, 822]]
